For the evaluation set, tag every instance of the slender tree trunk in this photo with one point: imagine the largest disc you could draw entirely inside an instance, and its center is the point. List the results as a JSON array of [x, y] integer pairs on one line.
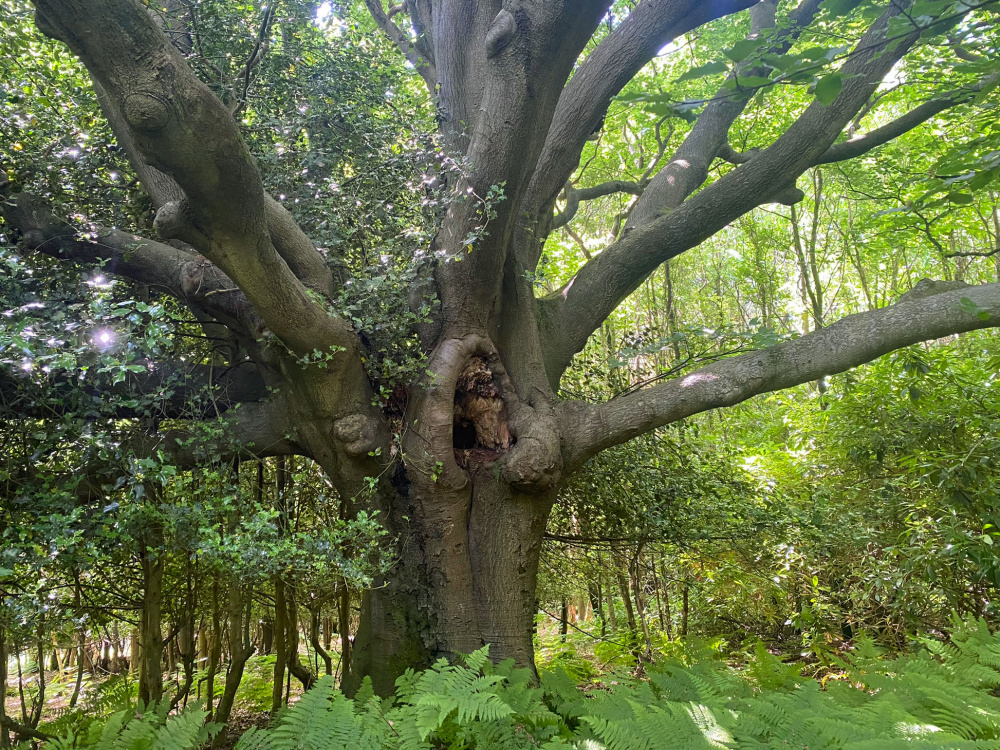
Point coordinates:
[[564, 621], [314, 637], [685, 609], [280, 645], [666, 605], [344, 626], [612, 615], [215, 650], [150, 627], [81, 638], [626, 597], [36, 714], [4, 656], [295, 665], [240, 650], [266, 636], [640, 607], [656, 590], [186, 643]]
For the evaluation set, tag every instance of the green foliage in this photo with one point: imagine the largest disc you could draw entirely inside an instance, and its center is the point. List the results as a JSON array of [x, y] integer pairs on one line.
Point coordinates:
[[938, 697]]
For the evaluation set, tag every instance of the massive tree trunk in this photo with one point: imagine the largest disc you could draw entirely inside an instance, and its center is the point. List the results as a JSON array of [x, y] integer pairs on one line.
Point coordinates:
[[466, 578], [486, 440]]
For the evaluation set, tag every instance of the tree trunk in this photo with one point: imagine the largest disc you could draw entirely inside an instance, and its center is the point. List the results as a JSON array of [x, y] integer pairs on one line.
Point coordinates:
[[4, 736], [640, 607], [81, 639], [150, 627], [214, 651], [485, 439], [240, 649], [280, 645], [295, 665], [629, 611], [344, 626], [480, 589], [314, 638], [666, 604], [685, 609]]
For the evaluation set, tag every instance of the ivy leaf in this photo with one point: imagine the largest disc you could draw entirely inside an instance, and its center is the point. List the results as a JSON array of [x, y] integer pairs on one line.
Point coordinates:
[[828, 88]]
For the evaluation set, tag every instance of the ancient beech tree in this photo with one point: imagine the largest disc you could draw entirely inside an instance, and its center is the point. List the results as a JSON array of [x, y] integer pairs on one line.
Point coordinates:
[[517, 97]]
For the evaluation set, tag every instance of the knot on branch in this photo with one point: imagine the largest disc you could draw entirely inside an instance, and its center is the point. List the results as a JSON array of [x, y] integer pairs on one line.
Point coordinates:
[[358, 433], [789, 196], [173, 222], [535, 464], [146, 112], [500, 32], [930, 287]]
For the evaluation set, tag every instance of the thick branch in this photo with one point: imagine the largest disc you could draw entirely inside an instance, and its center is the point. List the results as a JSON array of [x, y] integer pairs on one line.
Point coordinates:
[[182, 129], [602, 283], [256, 430], [849, 342], [162, 391], [687, 170], [180, 273], [604, 73]]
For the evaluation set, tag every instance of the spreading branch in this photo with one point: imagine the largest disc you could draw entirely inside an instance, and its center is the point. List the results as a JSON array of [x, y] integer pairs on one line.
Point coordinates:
[[849, 342], [862, 144], [181, 273], [604, 282], [688, 168], [180, 127], [160, 391], [575, 196], [604, 73]]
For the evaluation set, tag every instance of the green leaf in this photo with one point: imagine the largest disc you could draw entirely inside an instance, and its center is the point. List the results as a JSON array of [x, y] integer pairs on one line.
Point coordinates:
[[828, 88], [840, 7], [973, 309], [743, 49], [961, 198], [701, 71]]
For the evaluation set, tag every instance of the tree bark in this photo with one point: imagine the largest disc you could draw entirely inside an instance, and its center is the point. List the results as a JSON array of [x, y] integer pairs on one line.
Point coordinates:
[[81, 639]]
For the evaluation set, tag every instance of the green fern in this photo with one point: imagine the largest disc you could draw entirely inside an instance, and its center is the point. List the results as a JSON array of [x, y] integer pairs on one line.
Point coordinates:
[[141, 728], [940, 697]]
